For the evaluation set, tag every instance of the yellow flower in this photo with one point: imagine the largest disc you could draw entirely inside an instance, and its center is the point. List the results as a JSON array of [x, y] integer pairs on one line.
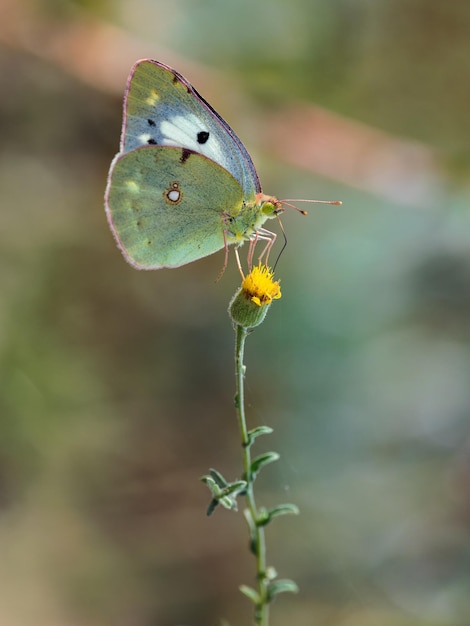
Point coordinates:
[[251, 302], [260, 287]]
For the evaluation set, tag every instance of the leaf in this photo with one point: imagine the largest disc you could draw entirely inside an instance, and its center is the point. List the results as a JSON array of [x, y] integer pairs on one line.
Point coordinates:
[[235, 488], [284, 509], [263, 517], [223, 493], [249, 519], [228, 502], [253, 531], [261, 461], [213, 486], [284, 585], [257, 432], [212, 506], [217, 476], [251, 593], [281, 509]]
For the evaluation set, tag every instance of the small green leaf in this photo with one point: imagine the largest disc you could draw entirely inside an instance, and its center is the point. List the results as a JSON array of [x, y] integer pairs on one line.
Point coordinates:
[[256, 432], [249, 592], [281, 509], [236, 487], [213, 486], [284, 509], [253, 531], [212, 506], [283, 585], [228, 503], [223, 493], [261, 461], [249, 519], [217, 476], [263, 517]]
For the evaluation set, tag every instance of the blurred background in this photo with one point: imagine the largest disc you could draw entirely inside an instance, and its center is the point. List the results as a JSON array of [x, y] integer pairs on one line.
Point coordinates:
[[117, 385]]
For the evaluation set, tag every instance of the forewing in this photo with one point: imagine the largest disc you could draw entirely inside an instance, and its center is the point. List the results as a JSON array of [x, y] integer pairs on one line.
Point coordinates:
[[162, 108]]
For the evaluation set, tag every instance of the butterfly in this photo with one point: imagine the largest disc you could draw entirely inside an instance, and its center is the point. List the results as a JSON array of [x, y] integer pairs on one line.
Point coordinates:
[[183, 185]]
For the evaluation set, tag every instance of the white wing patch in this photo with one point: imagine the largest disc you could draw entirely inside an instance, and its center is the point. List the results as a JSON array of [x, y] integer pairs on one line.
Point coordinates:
[[183, 132], [144, 138]]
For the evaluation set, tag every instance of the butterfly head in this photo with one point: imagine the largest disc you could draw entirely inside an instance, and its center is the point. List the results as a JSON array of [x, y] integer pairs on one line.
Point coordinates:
[[269, 205]]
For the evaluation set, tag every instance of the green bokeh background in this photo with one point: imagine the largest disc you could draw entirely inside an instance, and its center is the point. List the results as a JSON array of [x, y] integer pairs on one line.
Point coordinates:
[[116, 385]]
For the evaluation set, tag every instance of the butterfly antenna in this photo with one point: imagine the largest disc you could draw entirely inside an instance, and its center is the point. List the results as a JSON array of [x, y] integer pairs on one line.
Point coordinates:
[[288, 202]]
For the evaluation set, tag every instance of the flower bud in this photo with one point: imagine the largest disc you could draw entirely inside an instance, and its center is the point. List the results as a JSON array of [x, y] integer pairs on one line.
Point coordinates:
[[251, 302]]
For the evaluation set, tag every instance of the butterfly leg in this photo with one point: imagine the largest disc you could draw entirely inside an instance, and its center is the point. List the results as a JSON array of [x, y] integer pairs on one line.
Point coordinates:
[[239, 265], [224, 266], [262, 234], [251, 250]]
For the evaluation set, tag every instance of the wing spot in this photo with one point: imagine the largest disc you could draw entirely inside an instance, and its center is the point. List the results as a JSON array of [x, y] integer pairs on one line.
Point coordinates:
[[151, 122], [202, 136], [145, 137], [132, 186], [173, 194], [185, 154], [153, 98], [151, 142]]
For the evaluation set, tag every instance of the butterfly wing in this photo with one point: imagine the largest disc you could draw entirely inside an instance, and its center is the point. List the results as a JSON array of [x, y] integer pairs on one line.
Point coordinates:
[[162, 108], [166, 205]]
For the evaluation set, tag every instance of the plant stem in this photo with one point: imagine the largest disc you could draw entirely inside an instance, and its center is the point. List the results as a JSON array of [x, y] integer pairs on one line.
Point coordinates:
[[258, 544]]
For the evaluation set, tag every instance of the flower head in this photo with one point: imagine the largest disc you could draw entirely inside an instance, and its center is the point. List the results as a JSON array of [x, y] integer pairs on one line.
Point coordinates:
[[260, 287], [251, 302]]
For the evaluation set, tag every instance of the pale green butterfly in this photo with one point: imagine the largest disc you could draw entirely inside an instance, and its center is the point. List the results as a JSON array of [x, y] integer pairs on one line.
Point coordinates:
[[183, 185]]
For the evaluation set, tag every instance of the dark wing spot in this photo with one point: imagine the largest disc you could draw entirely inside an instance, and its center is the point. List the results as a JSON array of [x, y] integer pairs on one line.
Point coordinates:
[[185, 154], [151, 122], [151, 142], [202, 136], [177, 78]]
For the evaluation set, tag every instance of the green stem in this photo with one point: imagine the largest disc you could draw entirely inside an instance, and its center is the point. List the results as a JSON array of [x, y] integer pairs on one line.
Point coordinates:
[[258, 538]]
